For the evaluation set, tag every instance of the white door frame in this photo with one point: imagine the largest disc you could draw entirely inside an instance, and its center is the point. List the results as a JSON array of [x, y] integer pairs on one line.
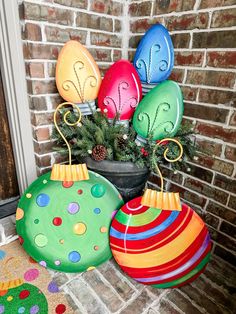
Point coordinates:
[[15, 90]]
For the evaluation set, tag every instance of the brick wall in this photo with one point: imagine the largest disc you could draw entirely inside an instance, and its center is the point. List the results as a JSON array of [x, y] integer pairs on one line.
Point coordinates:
[[46, 26], [203, 34], [204, 37]]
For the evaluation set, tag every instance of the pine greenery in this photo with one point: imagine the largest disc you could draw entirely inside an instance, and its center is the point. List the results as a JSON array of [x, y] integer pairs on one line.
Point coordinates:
[[119, 141]]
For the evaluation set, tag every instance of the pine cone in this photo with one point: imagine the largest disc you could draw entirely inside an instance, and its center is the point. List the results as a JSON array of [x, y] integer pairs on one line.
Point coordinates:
[[121, 142], [99, 152]]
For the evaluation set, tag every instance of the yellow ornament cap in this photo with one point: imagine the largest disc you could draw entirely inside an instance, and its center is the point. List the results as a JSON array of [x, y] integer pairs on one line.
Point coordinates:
[[161, 200], [69, 172]]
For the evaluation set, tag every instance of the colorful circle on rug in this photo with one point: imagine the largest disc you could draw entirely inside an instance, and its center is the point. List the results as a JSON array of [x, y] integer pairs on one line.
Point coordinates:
[[157, 247], [65, 224]]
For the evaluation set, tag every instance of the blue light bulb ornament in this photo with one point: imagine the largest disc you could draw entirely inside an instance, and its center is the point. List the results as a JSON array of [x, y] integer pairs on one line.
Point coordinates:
[[154, 57], [160, 112]]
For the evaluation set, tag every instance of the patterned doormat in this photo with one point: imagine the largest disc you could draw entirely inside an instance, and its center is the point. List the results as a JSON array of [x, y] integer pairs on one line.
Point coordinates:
[[26, 287]]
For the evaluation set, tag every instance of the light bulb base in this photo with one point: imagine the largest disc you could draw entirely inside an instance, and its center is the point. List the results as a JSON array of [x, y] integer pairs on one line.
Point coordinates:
[[140, 140], [87, 108], [146, 87], [125, 123]]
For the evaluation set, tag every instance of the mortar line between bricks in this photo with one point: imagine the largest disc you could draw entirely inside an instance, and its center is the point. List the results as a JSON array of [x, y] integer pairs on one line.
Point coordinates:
[[130, 301], [212, 283], [214, 123], [75, 300], [73, 9], [207, 68], [205, 104], [174, 305], [215, 140], [225, 248], [199, 49], [200, 308], [156, 302]]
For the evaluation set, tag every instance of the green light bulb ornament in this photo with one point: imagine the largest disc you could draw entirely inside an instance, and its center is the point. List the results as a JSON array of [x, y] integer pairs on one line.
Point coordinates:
[[160, 112]]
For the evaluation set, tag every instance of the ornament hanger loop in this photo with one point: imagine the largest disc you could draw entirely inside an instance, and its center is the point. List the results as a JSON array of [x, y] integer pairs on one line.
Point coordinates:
[[65, 116], [165, 156]]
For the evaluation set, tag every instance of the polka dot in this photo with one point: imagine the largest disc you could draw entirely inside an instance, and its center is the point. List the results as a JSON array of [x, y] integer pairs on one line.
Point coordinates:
[[61, 241], [34, 309], [73, 208], [103, 229], [36, 221], [45, 181], [60, 309], [31, 274], [97, 211], [113, 214], [28, 195], [90, 268], [96, 248], [19, 213], [3, 292], [57, 263], [21, 310], [79, 228], [21, 240], [24, 294], [10, 298], [2, 308], [43, 263], [42, 200], [40, 240], [2, 254], [80, 192], [98, 190], [52, 287], [74, 257], [67, 184], [57, 221]]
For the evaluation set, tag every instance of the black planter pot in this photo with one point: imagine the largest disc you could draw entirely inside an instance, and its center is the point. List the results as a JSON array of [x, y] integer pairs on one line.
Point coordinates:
[[126, 176]]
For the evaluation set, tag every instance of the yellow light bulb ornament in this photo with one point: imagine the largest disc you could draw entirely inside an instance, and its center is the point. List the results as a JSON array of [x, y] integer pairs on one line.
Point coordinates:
[[163, 200], [78, 77]]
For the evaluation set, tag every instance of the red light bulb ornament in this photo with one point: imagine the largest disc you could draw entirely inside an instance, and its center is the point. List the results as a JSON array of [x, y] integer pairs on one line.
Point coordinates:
[[120, 91]]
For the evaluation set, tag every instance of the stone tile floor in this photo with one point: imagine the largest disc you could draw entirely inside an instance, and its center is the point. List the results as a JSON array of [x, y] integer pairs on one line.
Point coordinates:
[[108, 290]]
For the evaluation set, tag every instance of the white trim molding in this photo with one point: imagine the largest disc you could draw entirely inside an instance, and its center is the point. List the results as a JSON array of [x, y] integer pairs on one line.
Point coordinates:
[[13, 73]]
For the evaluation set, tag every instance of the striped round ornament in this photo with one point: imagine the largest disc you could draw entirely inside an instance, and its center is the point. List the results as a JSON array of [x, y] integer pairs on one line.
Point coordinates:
[[157, 247]]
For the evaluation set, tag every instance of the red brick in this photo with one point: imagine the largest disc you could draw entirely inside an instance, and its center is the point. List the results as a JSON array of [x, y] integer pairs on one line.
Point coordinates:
[[199, 172], [94, 21], [38, 103], [81, 4], [44, 148], [205, 189], [142, 25], [36, 69], [103, 68], [192, 58], [187, 21], [167, 6], [211, 78], [42, 134], [211, 220], [189, 93], [232, 120], [117, 55], [134, 41], [42, 87], [41, 12], [56, 34], [216, 131], [225, 183], [205, 113], [228, 229], [42, 51], [100, 39], [221, 59], [225, 254], [222, 239], [181, 40], [140, 9], [44, 161], [51, 67], [230, 153], [107, 7], [177, 75], [215, 3], [56, 100], [224, 18], [101, 54], [38, 119], [210, 96], [216, 164], [182, 302], [208, 147], [232, 203], [222, 212], [32, 32], [131, 55], [215, 39], [117, 26]]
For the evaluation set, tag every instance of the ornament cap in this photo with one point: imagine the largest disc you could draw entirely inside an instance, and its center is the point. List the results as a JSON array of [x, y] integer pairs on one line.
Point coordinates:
[[4, 286], [161, 200], [69, 172]]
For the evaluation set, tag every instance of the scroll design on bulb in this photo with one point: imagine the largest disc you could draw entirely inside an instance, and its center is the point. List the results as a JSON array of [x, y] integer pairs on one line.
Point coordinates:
[[77, 85], [168, 126], [141, 63], [132, 102], [163, 200]]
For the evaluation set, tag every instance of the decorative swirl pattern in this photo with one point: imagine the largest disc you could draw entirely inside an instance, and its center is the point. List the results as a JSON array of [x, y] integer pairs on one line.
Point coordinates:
[[118, 107], [148, 67], [79, 88]]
